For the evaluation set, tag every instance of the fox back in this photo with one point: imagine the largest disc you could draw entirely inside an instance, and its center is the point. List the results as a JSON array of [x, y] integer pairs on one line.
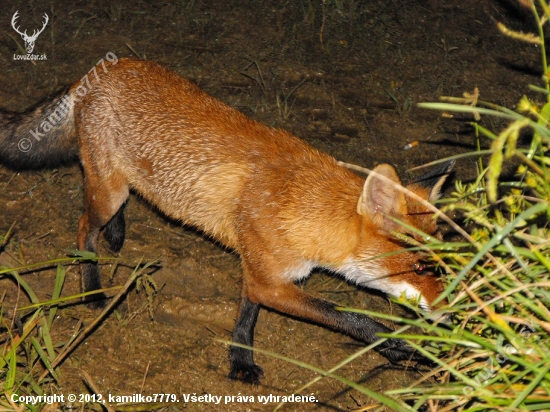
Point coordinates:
[[284, 206]]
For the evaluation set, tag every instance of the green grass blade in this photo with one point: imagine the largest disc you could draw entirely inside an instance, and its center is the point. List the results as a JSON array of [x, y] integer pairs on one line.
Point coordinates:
[[58, 287], [43, 357]]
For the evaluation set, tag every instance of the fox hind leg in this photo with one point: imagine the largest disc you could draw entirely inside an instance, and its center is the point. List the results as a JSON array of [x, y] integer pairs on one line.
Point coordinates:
[[103, 204], [87, 240], [243, 367]]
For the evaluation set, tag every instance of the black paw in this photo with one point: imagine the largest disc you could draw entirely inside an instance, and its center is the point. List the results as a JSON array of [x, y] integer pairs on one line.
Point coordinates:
[[397, 350], [97, 301], [246, 373]]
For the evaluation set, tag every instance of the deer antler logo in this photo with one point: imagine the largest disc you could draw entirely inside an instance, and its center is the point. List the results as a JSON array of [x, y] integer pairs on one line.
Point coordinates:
[[29, 40]]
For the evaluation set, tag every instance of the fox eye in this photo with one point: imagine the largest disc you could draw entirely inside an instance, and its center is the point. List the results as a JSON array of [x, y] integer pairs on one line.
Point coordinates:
[[422, 268]]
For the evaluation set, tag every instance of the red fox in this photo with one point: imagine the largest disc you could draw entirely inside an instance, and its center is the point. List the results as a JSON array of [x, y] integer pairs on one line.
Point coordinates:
[[284, 206]]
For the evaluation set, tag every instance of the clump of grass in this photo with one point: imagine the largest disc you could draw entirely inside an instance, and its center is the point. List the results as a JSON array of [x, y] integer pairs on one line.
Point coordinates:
[[495, 354], [29, 357], [27, 347]]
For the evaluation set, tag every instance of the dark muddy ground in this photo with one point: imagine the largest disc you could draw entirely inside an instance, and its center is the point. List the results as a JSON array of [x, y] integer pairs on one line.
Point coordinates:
[[344, 75]]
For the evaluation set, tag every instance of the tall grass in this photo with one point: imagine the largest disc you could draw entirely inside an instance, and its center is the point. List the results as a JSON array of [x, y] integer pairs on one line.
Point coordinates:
[[29, 356], [496, 354], [27, 347]]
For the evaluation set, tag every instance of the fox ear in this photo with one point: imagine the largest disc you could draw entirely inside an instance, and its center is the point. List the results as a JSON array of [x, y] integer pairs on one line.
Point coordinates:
[[434, 179], [381, 198]]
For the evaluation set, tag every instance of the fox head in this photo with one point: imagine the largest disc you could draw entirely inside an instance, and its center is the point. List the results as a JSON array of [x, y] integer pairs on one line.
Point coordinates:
[[381, 260]]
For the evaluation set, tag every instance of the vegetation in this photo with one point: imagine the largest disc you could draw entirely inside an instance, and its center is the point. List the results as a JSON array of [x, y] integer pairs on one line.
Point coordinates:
[[29, 355]]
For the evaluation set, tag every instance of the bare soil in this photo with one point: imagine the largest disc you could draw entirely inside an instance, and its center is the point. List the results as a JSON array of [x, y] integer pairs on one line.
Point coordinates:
[[344, 75]]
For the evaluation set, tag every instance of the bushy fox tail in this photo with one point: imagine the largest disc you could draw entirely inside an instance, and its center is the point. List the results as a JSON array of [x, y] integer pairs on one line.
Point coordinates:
[[42, 136]]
